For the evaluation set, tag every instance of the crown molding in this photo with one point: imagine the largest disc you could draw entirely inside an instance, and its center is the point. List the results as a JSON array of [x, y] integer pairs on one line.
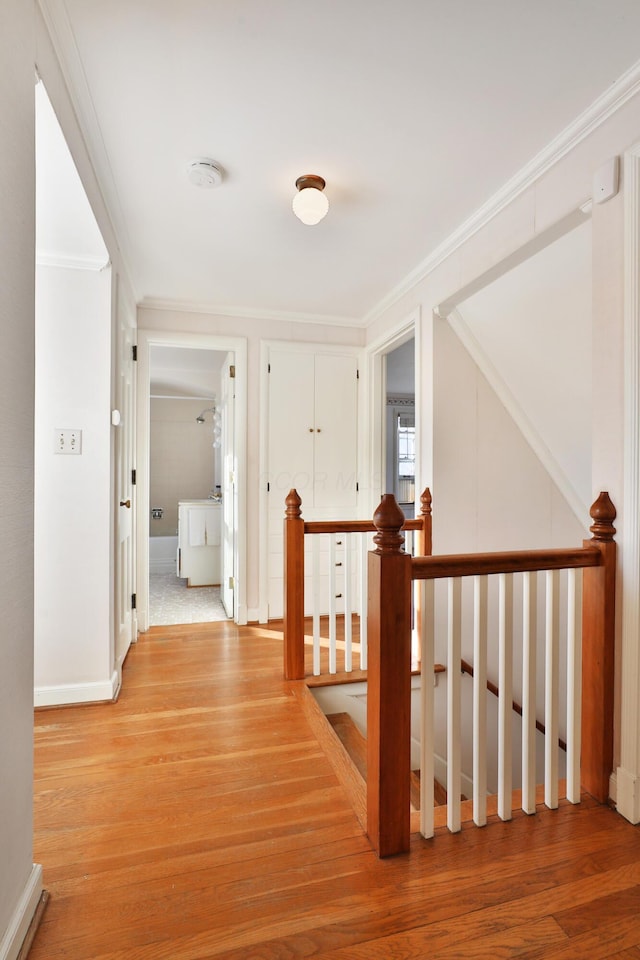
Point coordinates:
[[615, 97], [249, 313], [61, 39]]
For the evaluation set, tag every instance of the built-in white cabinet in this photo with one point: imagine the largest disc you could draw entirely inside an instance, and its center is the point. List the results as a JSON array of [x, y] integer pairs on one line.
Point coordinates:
[[313, 427], [199, 542], [312, 442]]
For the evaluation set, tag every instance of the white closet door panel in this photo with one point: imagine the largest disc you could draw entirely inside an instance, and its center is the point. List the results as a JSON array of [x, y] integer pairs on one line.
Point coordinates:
[[291, 422], [336, 406]]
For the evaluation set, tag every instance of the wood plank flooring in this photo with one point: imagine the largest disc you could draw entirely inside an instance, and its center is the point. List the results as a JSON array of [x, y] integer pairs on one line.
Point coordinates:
[[199, 817]]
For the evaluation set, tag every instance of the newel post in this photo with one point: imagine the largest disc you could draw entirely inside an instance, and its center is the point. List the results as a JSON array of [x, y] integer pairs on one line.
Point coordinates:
[[389, 684], [598, 646], [293, 588], [424, 546]]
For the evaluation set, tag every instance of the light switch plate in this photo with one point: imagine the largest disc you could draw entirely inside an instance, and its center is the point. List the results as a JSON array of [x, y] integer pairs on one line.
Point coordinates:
[[67, 441]]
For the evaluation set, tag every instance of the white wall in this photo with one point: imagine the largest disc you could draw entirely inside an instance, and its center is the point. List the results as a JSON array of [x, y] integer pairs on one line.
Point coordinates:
[[531, 330], [463, 514], [19, 882], [73, 641], [182, 460]]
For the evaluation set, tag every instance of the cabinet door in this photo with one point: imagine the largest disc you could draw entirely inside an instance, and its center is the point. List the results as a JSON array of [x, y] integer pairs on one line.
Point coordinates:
[[291, 426], [336, 431]]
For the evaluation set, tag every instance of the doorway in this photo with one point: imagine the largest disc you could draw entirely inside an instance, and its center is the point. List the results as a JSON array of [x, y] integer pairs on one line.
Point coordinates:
[[185, 472], [189, 413], [400, 425]]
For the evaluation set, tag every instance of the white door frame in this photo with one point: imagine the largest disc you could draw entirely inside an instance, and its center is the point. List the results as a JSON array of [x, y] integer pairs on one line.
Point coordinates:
[[193, 341], [124, 334], [628, 772], [376, 393]]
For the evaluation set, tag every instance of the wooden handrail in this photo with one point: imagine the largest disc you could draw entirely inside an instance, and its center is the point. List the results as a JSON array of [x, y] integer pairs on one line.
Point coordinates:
[[295, 528], [521, 561], [354, 526], [388, 706], [467, 668]]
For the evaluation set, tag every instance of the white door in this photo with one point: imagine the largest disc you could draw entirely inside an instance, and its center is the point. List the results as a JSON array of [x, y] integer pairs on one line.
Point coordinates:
[[312, 445], [125, 488], [229, 485]]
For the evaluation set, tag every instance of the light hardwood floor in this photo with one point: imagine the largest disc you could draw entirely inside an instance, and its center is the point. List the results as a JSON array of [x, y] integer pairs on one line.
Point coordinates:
[[199, 817]]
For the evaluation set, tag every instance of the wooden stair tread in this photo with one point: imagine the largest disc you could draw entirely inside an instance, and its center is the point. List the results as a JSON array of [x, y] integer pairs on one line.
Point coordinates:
[[352, 740], [355, 745]]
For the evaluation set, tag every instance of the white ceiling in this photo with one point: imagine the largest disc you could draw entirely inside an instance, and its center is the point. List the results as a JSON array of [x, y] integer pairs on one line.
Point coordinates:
[[415, 112]]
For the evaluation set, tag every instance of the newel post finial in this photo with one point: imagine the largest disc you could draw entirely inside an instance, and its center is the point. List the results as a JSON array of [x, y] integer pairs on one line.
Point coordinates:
[[293, 503], [425, 502], [603, 513], [388, 520]]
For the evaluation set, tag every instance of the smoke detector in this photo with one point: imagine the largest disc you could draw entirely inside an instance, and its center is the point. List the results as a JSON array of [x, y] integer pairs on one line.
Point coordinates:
[[204, 173]]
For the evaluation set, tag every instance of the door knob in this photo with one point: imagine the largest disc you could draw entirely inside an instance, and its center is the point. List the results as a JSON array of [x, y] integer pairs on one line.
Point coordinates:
[[125, 503]]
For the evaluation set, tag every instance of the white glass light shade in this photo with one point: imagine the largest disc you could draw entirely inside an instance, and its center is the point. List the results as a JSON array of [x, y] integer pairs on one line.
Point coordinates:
[[310, 205]]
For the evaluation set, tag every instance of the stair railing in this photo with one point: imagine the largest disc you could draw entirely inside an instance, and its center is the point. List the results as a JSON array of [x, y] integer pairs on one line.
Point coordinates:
[[590, 638], [295, 574]]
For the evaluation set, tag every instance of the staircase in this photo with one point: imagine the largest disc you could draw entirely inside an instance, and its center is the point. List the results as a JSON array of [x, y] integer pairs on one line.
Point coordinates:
[[355, 745]]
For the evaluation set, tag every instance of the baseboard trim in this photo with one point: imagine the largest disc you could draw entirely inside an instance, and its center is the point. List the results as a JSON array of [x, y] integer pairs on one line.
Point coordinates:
[[628, 795], [67, 694], [14, 937]]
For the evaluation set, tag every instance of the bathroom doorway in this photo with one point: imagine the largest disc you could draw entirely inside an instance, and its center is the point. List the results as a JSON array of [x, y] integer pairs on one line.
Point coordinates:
[[191, 454]]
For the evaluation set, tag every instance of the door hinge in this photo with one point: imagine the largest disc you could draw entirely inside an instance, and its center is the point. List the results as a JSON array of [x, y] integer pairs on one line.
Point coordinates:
[[232, 583], [133, 477], [357, 487], [357, 374], [134, 352], [133, 601], [232, 371], [268, 488], [268, 368]]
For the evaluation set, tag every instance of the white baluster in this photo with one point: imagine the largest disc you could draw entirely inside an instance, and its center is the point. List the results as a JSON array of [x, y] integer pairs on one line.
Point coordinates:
[[574, 683], [427, 708], [505, 699], [480, 700], [332, 604], [315, 588], [364, 589], [529, 622], [454, 653], [347, 593], [552, 619]]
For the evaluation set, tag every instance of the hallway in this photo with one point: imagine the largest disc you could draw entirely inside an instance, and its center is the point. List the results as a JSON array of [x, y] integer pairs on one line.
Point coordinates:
[[199, 817]]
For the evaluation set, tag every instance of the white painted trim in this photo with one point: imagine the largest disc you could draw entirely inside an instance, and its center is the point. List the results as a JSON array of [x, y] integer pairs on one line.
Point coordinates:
[[263, 503], [627, 86], [94, 264], [58, 33], [628, 773], [98, 691], [513, 408], [194, 341], [375, 390], [251, 313], [539, 242], [18, 927]]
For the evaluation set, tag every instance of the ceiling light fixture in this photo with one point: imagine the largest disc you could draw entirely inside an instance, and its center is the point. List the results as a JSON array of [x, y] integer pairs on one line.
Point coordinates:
[[205, 173], [310, 204]]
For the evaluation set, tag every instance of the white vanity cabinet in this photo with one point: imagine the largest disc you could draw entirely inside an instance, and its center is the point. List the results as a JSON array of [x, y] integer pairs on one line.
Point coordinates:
[[199, 542]]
